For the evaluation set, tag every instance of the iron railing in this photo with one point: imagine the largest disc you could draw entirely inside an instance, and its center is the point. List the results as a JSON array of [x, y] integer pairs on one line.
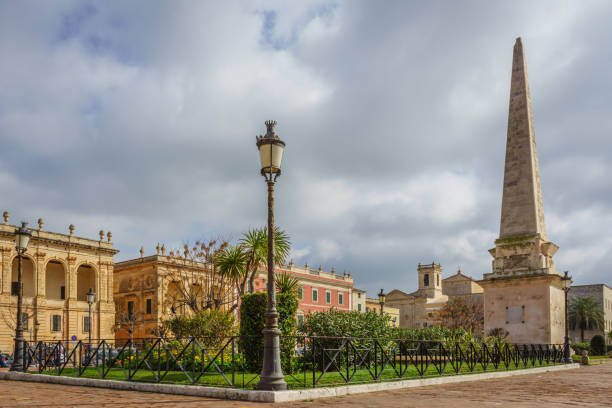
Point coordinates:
[[310, 362]]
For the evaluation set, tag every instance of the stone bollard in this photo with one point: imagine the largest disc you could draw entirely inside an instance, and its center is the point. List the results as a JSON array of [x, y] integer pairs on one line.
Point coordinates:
[[585, 358]]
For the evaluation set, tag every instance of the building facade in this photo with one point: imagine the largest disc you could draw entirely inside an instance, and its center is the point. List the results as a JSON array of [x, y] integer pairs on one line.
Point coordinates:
[[420, 308], [149, 290], [373, 306], [601, 293], [318, 290], [359, 300], [57, 272]]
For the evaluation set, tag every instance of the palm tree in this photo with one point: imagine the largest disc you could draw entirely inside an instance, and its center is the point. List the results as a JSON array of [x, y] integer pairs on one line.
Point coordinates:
[[231, 262], [286, 283], [255, 244], [585, 313]]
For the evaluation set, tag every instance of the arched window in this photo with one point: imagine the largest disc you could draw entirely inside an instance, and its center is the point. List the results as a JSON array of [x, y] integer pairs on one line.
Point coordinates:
[[55, 281], [27, 276], [426, 279], [86, 278]]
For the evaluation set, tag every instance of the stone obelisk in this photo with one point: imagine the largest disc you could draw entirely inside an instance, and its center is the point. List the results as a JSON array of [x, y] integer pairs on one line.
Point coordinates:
[[523, 293]]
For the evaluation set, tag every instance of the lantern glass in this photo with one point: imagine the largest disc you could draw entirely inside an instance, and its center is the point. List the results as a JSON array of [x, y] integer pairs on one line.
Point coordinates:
[[381, 296], [91, 296], [22, 237], [271, 154], [567, 281]]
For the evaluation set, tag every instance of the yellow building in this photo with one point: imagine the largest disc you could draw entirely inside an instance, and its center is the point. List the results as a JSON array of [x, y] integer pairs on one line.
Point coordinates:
[[152, 289], [57, 272], [373, 306]]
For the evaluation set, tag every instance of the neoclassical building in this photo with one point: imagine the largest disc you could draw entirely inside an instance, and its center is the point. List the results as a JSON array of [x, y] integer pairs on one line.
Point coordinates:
[[151, 289], [57, 272], [419, 308]]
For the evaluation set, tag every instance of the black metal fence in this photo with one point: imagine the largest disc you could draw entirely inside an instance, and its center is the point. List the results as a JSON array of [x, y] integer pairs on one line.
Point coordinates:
[[312, 362]]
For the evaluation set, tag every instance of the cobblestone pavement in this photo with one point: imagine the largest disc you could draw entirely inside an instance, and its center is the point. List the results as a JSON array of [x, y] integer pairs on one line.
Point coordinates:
[[583, 387]]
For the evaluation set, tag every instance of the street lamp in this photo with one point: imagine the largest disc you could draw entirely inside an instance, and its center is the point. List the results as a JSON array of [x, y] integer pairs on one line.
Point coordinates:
[[567, 283], [271, 154], [381, 300], [22, 238], [91, 298]]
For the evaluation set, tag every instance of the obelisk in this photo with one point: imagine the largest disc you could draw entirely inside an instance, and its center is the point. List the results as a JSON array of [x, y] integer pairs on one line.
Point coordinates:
[[523, 292]]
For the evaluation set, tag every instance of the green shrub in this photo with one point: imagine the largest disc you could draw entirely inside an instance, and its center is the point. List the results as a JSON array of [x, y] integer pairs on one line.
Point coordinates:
[[428, 333], [252, 321], [287, 306], [210, 327], [580, 347], [335, 323], [598, 345]]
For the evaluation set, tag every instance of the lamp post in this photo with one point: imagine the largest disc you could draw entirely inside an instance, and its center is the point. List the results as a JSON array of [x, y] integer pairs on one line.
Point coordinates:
[[271, 154], [567, 283], [381, 300], [91, 298], [22, 238]]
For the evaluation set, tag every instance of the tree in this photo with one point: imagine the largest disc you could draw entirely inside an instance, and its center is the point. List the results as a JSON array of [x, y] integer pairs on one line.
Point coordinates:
[[287, 284], [255, 244], [462, 313], [128, 323], [585, 313], [196, 281], [232, 265]]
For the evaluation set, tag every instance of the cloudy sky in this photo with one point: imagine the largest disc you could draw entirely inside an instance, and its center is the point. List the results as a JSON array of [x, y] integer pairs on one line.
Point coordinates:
[[140, 117]]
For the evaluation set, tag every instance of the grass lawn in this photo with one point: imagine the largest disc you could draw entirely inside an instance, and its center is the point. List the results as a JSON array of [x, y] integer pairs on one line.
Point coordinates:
[[577, 357], [302, 379]]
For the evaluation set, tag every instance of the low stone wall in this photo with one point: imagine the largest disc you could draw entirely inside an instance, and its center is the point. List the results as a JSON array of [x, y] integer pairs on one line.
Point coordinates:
[[271, 396]]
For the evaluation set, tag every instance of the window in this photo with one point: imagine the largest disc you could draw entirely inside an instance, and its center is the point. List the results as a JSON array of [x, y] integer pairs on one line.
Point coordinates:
[[14, 288], [340, 298], [86, 324], [426, 279], [367, 309], [327, 296], [63, 292], [358, 295], [315, 295], [300, 320], [424, 324], [359, 307], [438, 278], [300, 293], [250, 286], [149, 305], [130, 308], [56, 323], [429, 314]]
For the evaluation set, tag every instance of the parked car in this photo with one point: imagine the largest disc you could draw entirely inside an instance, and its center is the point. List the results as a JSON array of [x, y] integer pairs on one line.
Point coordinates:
[[5, 360]]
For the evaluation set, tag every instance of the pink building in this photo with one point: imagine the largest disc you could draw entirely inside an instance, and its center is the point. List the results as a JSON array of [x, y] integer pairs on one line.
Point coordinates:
[[318, 290]]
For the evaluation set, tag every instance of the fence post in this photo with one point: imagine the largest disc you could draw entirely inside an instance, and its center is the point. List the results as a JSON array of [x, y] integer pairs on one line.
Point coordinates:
[[375, 359], [314, 362]]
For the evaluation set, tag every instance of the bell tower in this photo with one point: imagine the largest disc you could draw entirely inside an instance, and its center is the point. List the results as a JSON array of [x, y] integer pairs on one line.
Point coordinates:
[[430, 280]]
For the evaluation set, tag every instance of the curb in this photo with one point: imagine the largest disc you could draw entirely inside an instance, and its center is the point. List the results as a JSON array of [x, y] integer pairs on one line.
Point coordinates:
[[271, 396]]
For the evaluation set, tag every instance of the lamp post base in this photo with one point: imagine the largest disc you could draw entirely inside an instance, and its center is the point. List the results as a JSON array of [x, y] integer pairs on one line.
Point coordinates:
[[271, 377], [18, 364]]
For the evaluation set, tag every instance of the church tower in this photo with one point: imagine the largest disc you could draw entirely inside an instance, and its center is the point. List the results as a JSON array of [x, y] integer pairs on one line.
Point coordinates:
[[430, 280], [523, 292]]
